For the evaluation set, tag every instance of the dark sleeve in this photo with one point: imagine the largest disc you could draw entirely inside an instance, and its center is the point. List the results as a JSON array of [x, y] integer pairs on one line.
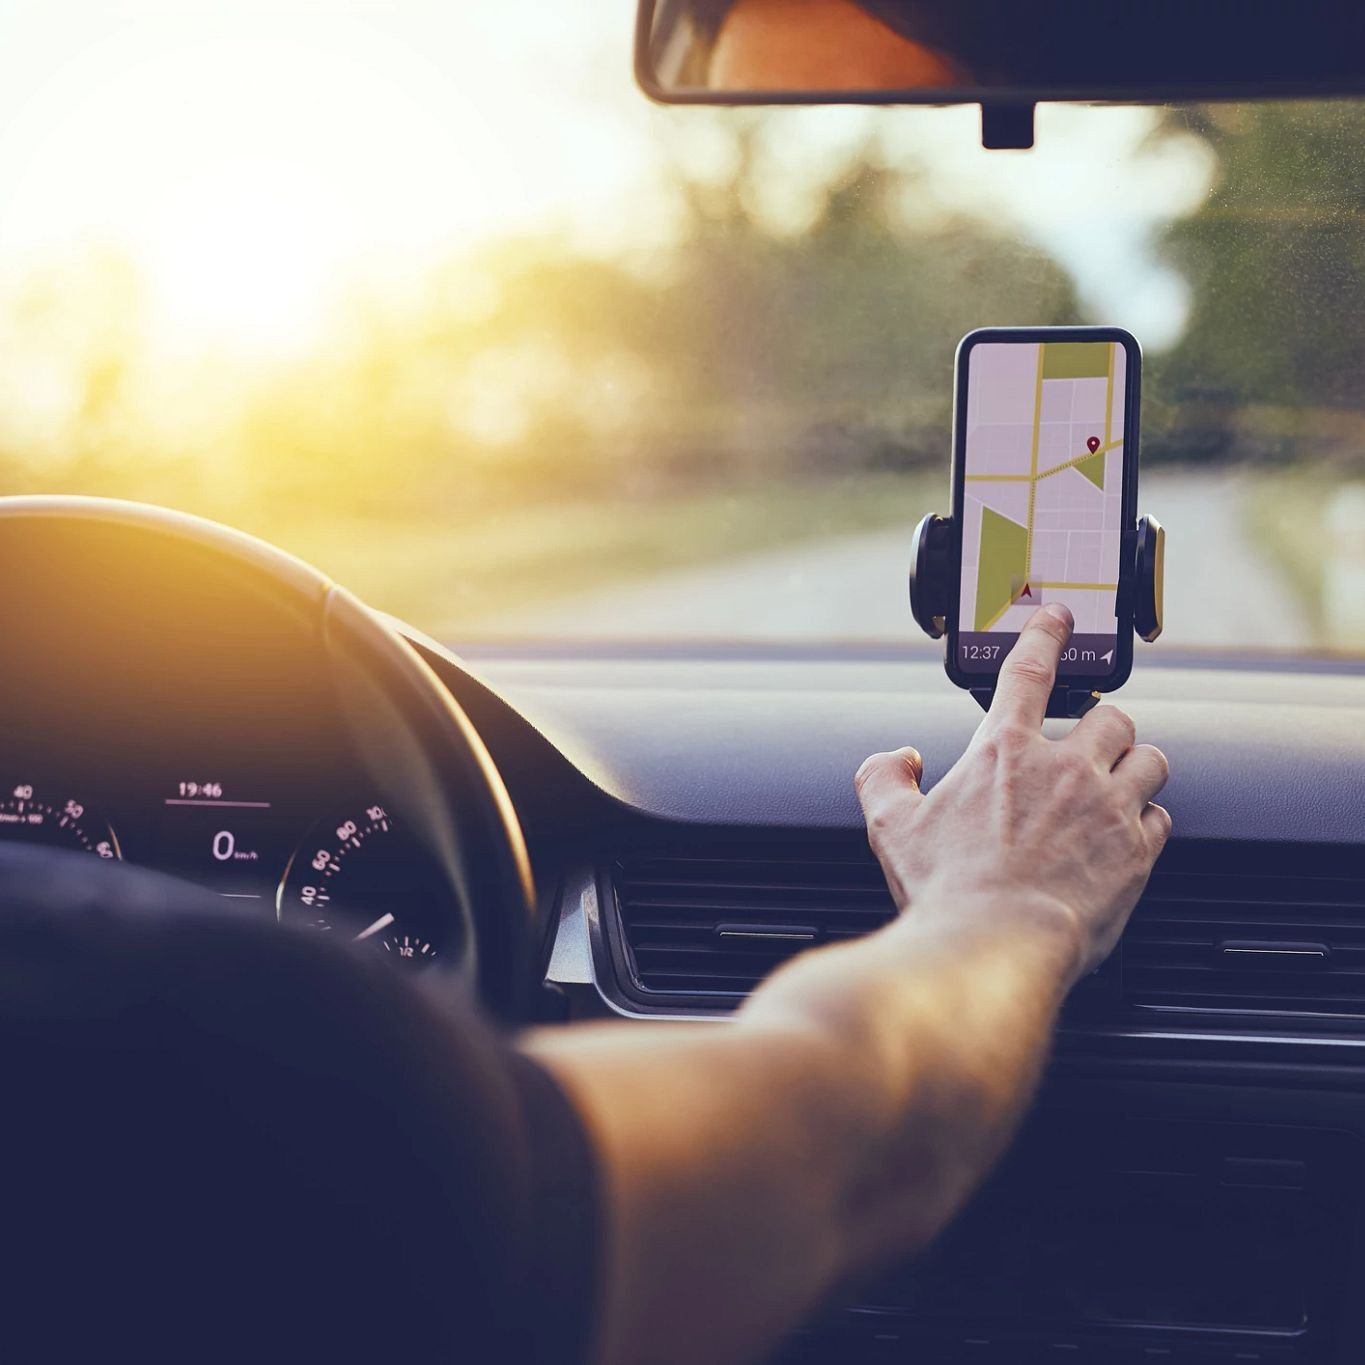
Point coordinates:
[[223, 1140]]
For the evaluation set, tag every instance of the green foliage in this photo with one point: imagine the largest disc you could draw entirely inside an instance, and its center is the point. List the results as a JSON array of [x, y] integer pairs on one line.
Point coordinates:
[[1271, 363]]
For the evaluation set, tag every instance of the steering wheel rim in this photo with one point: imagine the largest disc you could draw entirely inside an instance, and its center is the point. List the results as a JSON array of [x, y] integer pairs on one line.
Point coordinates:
[[409, 732]]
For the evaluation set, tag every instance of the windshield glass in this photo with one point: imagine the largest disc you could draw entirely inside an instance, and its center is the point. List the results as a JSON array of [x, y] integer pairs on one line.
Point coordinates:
[[430, 295]]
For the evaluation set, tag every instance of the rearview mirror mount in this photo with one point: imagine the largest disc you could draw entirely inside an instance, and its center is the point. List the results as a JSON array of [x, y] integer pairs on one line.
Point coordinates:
[[1005, 55]]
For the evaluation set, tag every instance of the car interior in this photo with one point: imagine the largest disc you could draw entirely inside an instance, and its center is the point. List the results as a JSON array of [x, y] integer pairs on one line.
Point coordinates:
[[588, 799]]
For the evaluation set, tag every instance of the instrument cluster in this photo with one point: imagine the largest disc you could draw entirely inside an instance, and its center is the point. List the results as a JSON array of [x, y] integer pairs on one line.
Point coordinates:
[[341, 867]]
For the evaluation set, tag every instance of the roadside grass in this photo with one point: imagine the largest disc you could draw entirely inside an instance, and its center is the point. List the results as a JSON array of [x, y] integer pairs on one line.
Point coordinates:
[[446, 578]]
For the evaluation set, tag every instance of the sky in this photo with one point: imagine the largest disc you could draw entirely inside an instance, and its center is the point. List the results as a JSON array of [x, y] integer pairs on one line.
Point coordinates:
[[257, 157]]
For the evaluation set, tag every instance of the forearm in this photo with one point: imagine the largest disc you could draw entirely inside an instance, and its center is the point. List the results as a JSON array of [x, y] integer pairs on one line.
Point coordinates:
[[842, 1117], [936, 1034]]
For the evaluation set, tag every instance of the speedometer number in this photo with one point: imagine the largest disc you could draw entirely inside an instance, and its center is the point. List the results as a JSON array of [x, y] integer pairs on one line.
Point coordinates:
[[29, 817], [227, 840], [370, 884]]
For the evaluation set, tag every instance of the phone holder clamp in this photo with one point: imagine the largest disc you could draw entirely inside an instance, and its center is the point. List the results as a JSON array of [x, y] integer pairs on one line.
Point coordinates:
[[933, 565]]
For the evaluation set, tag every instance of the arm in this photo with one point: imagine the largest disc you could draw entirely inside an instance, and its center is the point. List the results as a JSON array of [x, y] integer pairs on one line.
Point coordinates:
[[865, 1090], [843, 1117]]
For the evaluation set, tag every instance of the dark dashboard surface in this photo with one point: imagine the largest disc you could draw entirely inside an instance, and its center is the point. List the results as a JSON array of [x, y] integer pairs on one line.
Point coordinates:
[[774, 742]]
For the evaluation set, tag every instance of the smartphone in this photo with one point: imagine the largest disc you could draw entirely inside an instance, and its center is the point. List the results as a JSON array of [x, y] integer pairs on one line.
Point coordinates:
[[1045, 464]]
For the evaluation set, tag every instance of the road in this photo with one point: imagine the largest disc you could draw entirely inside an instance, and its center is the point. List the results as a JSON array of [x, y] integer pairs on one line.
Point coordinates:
[[1220, 591]]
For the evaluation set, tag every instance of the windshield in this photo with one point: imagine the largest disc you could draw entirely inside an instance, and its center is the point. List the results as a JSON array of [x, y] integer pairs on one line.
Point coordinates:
[[430, 295]]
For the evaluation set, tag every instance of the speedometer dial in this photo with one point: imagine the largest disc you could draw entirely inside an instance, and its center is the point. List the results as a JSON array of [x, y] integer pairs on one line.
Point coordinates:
[[30, 816], [360, 876]]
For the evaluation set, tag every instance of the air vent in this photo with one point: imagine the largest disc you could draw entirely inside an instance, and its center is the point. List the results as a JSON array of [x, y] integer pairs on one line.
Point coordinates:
[[1222, 930], [1249, 941], [715, 927]]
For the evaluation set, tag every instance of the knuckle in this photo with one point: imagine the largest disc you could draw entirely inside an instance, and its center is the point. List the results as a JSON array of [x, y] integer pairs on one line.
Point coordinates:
[[1029, 670], [882, 820], [987, 748], [1152, 767], [1010, 741], [1075, 768], [1119, 720]]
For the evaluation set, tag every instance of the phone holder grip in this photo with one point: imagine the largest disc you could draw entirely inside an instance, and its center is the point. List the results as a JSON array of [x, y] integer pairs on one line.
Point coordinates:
[[1149, 579], [931, 578], [931, 574]]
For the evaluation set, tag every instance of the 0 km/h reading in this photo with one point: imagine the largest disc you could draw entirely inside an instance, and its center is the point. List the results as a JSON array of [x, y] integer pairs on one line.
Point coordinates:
[[232, 845]]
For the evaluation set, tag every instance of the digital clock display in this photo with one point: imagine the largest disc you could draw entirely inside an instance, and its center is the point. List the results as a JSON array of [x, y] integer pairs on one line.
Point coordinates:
[[226, 842]]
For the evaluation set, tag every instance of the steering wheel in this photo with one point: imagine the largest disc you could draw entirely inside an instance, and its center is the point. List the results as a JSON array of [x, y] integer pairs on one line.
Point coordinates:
[[412, 736]]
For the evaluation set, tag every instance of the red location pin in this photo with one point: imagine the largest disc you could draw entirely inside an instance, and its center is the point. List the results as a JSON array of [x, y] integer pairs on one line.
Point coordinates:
[[1092, 443]]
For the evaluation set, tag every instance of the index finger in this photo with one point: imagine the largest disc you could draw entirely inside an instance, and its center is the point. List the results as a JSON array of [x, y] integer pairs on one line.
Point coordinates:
[[1029, 673]]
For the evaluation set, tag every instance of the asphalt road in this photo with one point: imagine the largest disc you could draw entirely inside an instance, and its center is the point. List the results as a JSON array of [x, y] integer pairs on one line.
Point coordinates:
[[1220, 590]]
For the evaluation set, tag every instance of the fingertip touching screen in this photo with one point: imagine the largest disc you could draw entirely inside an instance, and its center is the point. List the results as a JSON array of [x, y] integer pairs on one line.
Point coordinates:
[[1042, 470]]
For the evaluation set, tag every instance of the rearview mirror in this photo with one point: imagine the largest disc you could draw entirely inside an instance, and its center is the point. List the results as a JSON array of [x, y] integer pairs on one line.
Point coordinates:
[[1005, 55]]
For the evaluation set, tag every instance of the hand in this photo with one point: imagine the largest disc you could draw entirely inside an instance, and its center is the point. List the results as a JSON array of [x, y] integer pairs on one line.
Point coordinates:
[[1025, 831]]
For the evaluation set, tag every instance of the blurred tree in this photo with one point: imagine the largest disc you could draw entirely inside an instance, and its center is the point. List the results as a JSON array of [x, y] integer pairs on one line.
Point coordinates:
[[72, 339], [1276, 262], [530, 370]]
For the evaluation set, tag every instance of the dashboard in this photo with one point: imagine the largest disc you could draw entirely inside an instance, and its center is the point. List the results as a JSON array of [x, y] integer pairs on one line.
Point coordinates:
[[1190, 1185], [1198, 1150], [181, 722], [277, 848], [770, 739]]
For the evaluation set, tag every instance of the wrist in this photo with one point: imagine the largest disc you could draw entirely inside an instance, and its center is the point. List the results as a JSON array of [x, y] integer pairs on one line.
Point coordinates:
[[1044, 935]]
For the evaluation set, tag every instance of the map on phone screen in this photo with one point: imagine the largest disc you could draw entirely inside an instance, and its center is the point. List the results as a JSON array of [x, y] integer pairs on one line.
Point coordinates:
[[1042, 507]]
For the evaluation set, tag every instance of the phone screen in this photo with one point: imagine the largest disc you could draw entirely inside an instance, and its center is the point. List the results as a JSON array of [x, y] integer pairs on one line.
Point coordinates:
[[1042, 497]]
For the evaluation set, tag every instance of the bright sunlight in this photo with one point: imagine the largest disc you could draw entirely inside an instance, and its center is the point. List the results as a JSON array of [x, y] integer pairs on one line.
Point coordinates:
[[428, 292]]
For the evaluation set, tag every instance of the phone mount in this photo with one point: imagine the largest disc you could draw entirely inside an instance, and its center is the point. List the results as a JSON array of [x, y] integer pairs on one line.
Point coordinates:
[[932, 569]]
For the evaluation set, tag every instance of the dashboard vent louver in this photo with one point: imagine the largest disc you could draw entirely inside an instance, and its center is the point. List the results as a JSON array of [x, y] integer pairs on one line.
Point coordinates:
[[716, 927], [1248, 940], [1221, 930]]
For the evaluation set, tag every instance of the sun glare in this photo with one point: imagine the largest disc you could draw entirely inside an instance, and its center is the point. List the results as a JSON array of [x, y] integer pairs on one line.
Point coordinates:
[[244, 251], [255, 159]]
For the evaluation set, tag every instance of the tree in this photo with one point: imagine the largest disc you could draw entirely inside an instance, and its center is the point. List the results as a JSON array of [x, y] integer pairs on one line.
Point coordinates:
[[1276, 261]]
